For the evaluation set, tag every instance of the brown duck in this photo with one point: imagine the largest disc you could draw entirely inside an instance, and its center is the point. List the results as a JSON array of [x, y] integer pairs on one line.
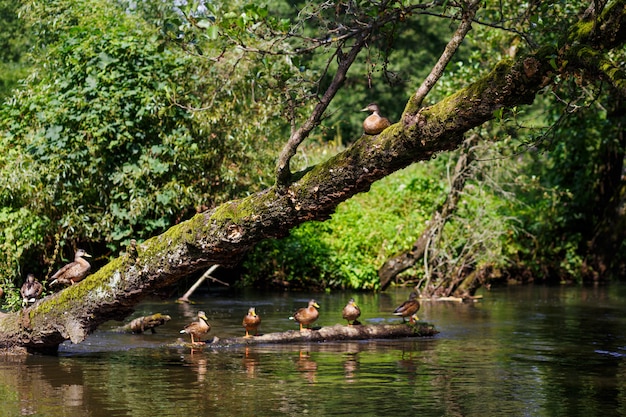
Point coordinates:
[[197, 329], [306, 315], [73, 272], [251, 322], [31, 290], [351, 312], [409, 308], [374, 123]]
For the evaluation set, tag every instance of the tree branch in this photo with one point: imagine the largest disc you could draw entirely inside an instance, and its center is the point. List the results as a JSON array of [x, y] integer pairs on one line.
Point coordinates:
[[437, 71], [283, 171], [360, 35]]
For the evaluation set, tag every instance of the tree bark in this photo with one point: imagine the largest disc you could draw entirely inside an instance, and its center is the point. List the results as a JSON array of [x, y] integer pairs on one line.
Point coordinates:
[[224, 234]]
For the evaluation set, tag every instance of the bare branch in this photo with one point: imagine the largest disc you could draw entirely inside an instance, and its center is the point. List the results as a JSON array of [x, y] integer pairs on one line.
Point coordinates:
[[436, 73], [283, 171]]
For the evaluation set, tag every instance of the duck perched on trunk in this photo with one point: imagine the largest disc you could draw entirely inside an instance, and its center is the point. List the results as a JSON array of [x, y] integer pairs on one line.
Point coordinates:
[[408, 308], [351, 312], [374, 123], [251, 322], [306, 315], [73, 272], [197, 329], [31, 290]]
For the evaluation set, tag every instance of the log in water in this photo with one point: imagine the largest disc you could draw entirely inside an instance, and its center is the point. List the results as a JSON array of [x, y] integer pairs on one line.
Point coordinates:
[[337, 332]]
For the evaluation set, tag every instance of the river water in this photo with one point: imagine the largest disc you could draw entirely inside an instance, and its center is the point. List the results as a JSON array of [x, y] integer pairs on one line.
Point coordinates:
[[520, 351]]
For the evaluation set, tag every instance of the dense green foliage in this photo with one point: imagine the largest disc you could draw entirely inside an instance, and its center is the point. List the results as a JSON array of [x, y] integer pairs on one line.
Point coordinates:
[[105, 142], [346, 251], [14, 46]]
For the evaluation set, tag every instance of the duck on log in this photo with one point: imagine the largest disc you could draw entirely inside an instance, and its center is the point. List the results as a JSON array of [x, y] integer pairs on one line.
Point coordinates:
[[338, 332]]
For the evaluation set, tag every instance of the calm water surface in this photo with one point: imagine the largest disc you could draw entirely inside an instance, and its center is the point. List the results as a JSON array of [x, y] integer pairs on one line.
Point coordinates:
[[522, 351]]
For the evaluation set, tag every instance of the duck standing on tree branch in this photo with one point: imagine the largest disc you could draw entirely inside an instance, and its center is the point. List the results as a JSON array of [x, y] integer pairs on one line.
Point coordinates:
[[73, 272], [408, 308], [251, 322], [374, 123], [197, 329], [351, 312], [31, 290], [306, 315]]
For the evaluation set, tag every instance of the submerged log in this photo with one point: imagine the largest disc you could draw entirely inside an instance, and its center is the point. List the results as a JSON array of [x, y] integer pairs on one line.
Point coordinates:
[[141, 324], [338, 332]]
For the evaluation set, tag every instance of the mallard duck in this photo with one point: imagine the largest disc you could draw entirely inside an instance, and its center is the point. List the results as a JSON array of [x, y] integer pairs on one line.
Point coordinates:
[[306, 315], [351, 312], [73, 272], [31, 290], [251, 322], [197, 329], [374, 123], [408, 308]]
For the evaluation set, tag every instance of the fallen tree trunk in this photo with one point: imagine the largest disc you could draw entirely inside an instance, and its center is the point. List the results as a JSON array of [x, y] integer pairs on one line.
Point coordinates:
[[224, 234], [338, 332]]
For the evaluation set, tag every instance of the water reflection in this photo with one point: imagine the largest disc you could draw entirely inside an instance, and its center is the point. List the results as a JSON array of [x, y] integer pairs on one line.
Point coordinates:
[[251, 362], [521, 351], [306, 366]]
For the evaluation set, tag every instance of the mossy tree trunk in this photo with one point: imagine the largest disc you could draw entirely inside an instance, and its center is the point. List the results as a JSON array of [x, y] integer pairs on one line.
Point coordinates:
[[223, 235]]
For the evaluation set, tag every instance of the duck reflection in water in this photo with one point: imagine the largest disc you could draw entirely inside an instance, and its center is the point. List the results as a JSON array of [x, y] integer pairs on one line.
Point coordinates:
[[408, 365], [307, 366], [251, 362], [351, 366], [200, 368]]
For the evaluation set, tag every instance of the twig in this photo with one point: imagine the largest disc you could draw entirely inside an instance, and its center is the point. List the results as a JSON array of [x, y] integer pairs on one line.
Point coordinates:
[[207, 274]]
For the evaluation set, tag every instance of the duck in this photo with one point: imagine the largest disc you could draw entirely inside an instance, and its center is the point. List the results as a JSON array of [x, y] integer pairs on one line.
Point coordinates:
[[251, 322], [374, 123], [31, 290], [351, 312], [306, 315], [73, 272], [408, 308], [197, 329]]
